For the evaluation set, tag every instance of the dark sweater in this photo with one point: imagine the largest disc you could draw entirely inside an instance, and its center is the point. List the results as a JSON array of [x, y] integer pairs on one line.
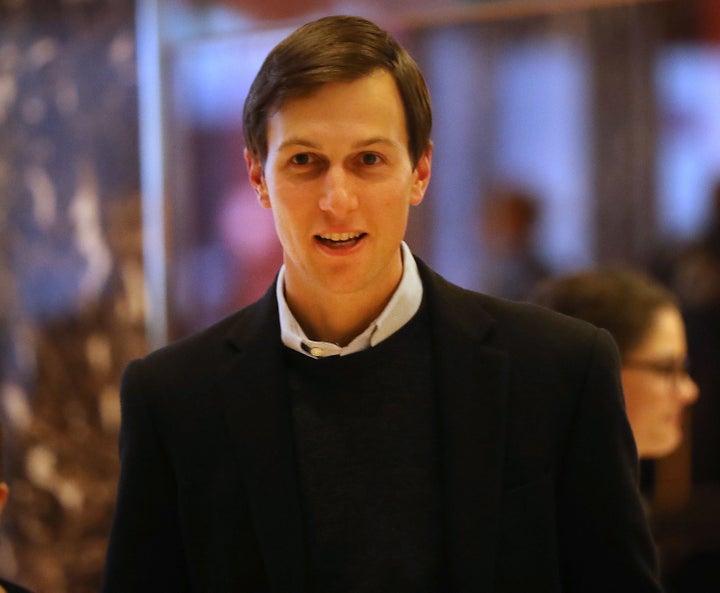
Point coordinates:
[[365, 434]]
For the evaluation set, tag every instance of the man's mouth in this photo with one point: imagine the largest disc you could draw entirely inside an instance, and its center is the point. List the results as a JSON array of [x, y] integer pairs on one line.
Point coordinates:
[[340, 239]]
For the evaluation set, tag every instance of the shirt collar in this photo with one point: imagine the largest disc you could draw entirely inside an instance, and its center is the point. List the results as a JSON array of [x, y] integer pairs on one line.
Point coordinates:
[[403, 304]]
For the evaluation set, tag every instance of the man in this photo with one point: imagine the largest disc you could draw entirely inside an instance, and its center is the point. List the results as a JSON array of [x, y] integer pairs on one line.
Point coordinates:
[[367, 426]]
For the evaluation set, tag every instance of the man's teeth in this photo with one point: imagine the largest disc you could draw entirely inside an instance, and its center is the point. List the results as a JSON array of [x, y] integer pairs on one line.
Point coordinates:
[[340, 236]]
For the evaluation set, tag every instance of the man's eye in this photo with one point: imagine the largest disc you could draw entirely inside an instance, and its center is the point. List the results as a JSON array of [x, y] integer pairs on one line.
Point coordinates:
[[370, 158], [301, 159]]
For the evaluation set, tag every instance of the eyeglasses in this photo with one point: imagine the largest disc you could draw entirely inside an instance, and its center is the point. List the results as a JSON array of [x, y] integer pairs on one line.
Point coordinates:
[[673, 371]]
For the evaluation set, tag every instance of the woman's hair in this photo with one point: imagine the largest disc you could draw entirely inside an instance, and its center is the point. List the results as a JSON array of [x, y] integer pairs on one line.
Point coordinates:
[[335, 49], [622, 301]]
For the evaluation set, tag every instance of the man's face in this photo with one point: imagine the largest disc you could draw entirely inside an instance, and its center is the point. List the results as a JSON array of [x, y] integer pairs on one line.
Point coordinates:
[[339, 180]]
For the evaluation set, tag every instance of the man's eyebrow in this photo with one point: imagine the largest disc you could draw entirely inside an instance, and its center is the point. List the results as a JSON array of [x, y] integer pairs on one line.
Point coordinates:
[[374, 140], [297, 141], [306, 143]]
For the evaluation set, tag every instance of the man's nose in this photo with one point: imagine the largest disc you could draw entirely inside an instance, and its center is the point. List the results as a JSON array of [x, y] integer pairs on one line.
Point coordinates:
[[339, 196]]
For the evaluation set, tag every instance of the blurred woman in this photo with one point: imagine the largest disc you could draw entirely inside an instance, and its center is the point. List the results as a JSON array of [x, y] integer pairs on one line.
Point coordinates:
[[645, 320]]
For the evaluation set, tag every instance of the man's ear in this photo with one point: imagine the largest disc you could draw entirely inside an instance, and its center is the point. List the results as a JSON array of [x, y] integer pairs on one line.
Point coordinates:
[[422, 176], [257, 178], [4, 493]]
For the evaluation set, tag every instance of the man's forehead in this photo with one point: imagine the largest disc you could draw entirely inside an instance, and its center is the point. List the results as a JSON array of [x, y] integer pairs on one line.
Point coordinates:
[[309, 90]]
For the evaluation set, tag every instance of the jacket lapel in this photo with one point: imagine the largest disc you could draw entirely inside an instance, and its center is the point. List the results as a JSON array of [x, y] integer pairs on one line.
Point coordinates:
[[260, 423], [472, 380]]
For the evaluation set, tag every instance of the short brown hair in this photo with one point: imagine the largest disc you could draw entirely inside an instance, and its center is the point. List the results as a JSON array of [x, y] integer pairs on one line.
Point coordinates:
[[335, 49], [622, 301]]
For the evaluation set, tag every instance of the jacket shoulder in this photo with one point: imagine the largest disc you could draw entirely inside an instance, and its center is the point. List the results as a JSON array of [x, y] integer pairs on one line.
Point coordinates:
[[231, 330], [504, 322], [197, 358]]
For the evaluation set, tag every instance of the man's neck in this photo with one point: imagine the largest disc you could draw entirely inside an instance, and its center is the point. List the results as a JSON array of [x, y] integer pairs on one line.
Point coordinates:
[[338, 318]]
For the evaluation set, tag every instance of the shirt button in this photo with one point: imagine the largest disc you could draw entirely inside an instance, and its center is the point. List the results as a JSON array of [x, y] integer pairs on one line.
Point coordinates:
[[316, 351]]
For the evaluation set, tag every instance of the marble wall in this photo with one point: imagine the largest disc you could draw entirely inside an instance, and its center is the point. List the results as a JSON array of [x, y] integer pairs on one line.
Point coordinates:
[[71, 285]]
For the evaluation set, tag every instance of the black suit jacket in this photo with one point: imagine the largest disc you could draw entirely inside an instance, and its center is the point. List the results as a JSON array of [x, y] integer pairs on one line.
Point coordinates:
[[539, 463]]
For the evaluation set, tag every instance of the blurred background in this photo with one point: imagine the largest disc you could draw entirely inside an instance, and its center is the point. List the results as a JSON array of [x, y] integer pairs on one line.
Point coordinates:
[[568, 134]]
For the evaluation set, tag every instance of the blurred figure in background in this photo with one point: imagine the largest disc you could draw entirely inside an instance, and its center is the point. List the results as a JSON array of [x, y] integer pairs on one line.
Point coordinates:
[[512, 267], [645, 321], [6, 586], [692, 271]]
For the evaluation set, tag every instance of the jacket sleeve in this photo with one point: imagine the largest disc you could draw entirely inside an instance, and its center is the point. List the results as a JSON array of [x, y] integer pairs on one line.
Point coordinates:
[[145, 551], [603, 533]]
